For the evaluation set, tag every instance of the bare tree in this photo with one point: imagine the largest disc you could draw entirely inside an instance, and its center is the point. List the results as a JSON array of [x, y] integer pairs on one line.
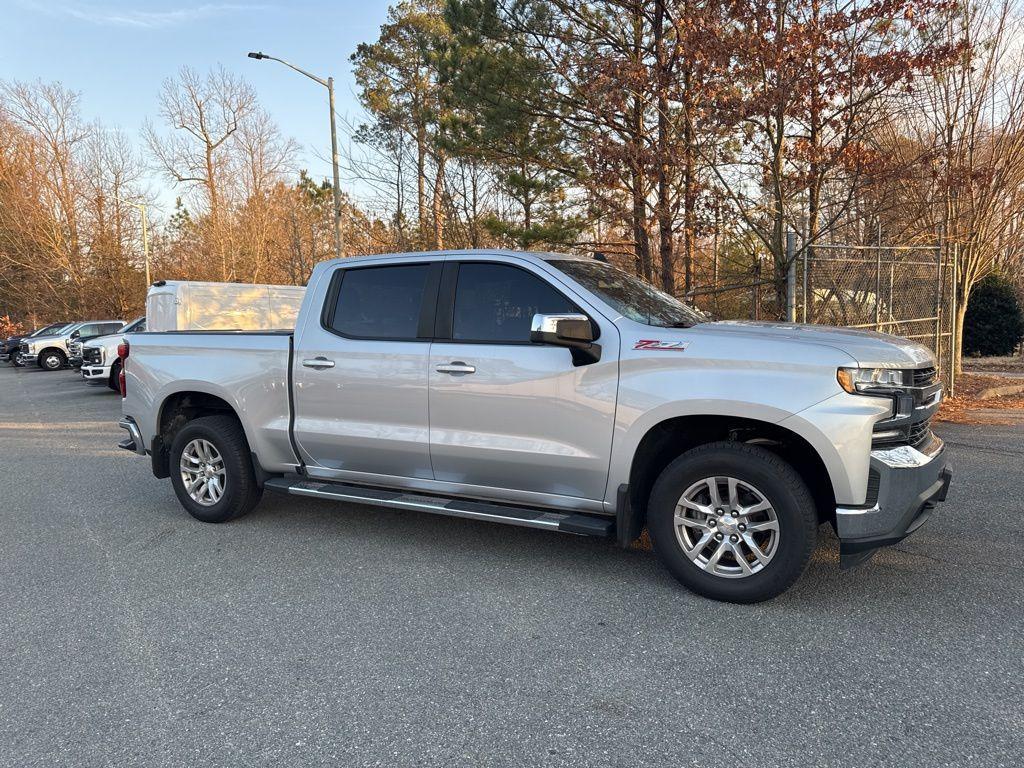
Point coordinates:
[[204, 113]]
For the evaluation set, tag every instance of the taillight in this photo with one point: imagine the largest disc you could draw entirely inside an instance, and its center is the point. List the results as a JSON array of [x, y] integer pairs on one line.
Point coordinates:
[[122, 355]]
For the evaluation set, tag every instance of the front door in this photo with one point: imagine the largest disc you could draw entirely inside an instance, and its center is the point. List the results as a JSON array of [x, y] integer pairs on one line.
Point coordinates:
[[360, 374], [509, 414]]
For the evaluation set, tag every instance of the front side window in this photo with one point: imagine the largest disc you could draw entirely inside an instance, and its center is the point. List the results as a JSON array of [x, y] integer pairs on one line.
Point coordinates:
[[629, 295], [497, 302], [105, 329], [88, 331], [139, 326], [380, 302]]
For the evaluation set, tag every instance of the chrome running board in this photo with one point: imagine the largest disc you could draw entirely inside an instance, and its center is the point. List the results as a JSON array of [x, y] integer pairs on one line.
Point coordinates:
[[566, 522]]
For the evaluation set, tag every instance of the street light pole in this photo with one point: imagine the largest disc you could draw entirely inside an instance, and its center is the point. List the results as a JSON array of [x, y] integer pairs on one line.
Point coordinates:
[[329, 85], [145, 234]]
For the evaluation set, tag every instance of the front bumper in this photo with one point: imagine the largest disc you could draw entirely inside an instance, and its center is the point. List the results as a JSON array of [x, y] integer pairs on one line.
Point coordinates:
[[26, 359], [97, 373], [906, 484], [75, 362]]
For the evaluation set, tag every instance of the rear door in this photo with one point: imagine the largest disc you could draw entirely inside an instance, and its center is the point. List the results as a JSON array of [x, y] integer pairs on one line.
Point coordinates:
[[360, 373], [509, 414]]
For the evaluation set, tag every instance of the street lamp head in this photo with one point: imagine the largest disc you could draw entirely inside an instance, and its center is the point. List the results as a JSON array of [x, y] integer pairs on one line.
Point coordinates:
[[257, 55]]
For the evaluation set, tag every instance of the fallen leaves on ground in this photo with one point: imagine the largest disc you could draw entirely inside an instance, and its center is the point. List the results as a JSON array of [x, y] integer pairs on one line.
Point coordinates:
[[965, 407]]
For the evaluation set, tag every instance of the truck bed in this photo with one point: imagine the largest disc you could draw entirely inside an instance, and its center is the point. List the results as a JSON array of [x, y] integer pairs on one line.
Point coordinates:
[[246, 369]]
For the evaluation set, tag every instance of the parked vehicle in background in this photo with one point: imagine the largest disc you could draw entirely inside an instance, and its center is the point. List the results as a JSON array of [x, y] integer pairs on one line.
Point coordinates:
[[178, 305], [100, 362], [75, 353], [552, 392], [10, 347], [51, 352]]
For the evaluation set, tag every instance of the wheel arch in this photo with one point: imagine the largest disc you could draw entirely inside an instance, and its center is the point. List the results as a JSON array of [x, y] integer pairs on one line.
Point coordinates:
[[664, 441], [179, 408], [44, 350]]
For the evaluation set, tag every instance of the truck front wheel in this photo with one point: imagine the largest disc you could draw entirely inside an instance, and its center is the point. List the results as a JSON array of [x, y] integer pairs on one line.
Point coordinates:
[[211, 469], [115, 374], [52, 360], [732, 522]]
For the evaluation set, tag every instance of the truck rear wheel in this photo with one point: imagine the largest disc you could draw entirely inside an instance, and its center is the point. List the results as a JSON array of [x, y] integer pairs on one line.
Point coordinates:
[[732, 522], [211, 469]]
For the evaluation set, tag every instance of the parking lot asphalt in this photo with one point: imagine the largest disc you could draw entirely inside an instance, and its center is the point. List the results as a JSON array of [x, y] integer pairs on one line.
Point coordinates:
[[313, 633]]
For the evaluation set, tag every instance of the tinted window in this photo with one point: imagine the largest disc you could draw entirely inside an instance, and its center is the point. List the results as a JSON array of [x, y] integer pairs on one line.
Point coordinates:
[[139, 326], [495, 302], [380, 302], [105, 329], [88, 330]]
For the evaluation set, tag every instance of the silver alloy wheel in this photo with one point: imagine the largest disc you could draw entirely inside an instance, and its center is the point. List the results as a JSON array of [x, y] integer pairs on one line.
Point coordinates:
[[726, 527], [202, 472], [51, 362]]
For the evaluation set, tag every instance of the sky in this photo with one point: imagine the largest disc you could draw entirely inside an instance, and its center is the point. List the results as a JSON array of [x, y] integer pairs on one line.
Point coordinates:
[[117, 53]]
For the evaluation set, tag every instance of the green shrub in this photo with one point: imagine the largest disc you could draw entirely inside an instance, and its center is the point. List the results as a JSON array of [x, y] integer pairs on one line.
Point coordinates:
[[994, 323]]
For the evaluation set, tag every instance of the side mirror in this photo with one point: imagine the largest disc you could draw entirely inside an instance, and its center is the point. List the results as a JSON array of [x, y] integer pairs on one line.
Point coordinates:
[[571, 331], [76, 334]]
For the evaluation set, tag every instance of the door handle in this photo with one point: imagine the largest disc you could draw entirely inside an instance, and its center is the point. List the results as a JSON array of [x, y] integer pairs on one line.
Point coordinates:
[[318, 363], [456, 367]]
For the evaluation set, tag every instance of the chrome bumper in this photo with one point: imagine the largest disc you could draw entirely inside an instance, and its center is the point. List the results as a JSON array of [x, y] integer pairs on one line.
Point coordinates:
[[133, 442], [27, 359], [95, 372], [910, 482]]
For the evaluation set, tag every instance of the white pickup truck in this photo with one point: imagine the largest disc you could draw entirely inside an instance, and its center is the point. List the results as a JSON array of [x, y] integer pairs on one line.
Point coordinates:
[[553, 392]]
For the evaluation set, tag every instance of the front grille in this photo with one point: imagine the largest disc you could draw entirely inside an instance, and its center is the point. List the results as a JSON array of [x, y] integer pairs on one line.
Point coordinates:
[[910, 434], [923, 377], [75, 349], [918, 433], [91, 355]]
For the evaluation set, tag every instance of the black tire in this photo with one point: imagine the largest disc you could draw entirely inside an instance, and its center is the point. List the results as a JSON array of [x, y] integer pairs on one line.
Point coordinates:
[[52, 360], [241, 491], [113, 381], [780, 485]]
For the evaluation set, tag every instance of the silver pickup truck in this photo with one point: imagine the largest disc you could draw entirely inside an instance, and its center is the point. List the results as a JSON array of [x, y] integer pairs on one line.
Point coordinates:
[[552, 392]]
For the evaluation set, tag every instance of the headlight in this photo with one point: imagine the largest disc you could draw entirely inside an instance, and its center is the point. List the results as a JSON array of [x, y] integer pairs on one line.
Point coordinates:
[[870, 381]]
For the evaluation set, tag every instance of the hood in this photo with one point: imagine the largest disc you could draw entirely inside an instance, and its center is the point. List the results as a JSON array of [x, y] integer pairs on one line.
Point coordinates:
[[46, 339], [112, 339], [869, 348]]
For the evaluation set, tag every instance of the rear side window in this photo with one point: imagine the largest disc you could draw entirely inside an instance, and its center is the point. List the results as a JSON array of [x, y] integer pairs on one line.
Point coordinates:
[[496, 303], [380, 302]]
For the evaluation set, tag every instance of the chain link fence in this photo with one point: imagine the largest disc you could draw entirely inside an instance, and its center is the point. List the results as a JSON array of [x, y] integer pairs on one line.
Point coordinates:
[[904, 290]]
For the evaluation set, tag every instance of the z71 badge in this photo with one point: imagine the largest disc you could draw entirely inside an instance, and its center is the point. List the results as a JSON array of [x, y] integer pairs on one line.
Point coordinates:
[[665, 346]]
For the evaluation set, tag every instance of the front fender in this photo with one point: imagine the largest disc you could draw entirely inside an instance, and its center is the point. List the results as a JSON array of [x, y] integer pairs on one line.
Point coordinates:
[[727, 380]]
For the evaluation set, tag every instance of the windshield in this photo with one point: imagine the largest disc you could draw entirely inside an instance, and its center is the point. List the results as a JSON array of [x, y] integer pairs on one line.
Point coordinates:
[[53, 330], [630, 295], [136, 326]]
